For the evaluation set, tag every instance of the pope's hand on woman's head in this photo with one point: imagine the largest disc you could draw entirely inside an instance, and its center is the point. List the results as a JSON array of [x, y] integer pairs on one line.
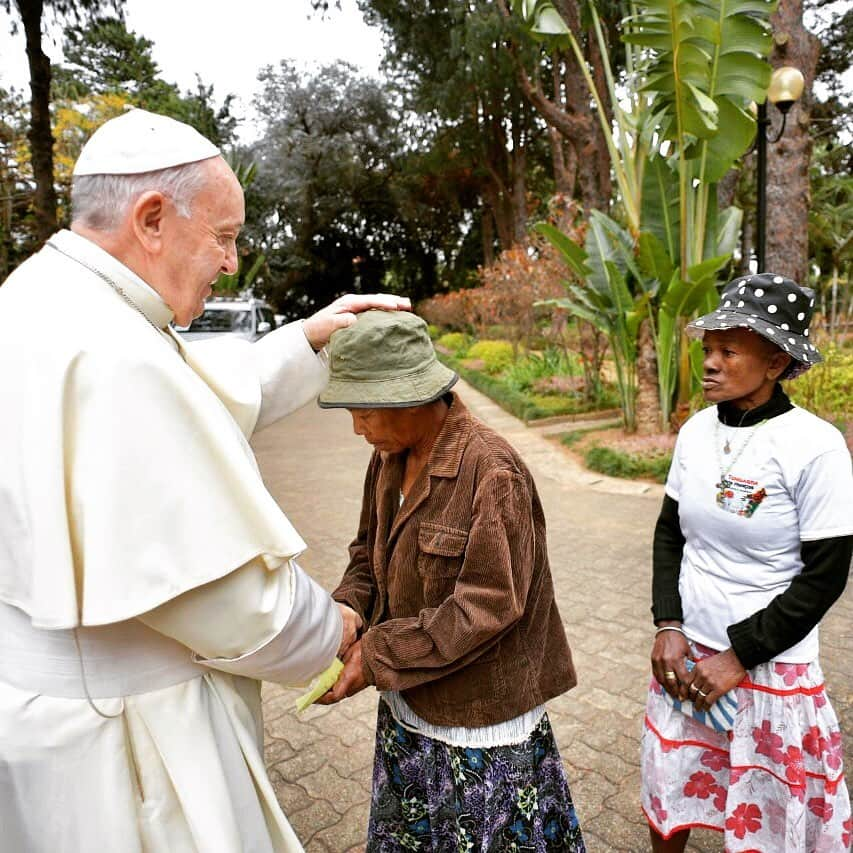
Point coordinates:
[[714, 676], [668, 654], [342, 313]]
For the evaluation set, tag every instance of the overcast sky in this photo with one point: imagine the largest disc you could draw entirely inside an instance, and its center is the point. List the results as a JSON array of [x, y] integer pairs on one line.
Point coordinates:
[[226, 43]]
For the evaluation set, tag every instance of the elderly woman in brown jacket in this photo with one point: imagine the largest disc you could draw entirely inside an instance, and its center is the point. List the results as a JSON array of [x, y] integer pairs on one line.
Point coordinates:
[[449, 573]]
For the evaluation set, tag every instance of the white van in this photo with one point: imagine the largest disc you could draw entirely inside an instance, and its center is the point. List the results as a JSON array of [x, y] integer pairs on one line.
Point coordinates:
[[247, 318]]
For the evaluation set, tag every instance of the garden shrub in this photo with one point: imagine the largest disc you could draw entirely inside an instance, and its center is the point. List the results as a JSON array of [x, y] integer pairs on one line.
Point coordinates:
[[615, 463], [448, 310], [433, 331], [526, 372], [455, 342], [825, 389], [498, 332], [496, 355], [560, 385], [522, 405]]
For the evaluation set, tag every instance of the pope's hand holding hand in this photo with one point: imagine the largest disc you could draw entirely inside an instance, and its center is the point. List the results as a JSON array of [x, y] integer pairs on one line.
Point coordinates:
[[352, 625]]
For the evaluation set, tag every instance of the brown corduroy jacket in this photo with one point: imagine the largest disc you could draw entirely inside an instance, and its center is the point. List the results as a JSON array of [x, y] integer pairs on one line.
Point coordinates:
[[454, 585]]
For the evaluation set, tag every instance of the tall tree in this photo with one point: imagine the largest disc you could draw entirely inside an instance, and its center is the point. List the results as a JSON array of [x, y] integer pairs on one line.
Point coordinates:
[[788, 161], [17, 232], [832, 113], [322, 209], [567, 107], [31, 14], [464, 88]]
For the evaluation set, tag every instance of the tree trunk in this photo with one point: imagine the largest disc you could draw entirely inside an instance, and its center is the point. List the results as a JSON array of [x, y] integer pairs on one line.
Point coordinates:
[[518, 165], [488, 230], [575, 119], [501, 213], [39, 134], [593, 348], [648, 398], [788, 160], [564, 179], [598, 142]]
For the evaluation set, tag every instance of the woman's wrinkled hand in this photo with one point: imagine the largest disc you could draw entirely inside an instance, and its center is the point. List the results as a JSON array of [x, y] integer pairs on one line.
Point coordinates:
[[350, 681], [352, 625], [669, 652], [713, 677]]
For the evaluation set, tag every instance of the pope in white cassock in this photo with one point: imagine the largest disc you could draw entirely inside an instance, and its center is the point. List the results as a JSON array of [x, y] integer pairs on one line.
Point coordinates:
[[147, 577]]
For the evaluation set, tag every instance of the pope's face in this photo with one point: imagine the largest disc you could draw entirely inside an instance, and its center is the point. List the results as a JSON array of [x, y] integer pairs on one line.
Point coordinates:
[[201, 247]]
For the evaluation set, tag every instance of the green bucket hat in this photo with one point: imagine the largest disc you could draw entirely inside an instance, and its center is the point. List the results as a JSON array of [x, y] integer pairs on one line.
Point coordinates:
[[385, 360]]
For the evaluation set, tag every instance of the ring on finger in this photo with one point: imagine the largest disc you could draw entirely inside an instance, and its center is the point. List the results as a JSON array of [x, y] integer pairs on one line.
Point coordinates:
[[669, 675], [702, 693], [693, 687]]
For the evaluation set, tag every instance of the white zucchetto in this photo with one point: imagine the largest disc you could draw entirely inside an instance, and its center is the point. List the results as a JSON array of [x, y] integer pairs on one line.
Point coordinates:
[[140, 141]]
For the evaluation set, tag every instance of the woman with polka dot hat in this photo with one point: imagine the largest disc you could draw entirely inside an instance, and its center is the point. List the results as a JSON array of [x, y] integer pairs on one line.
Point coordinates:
[[752, 547]]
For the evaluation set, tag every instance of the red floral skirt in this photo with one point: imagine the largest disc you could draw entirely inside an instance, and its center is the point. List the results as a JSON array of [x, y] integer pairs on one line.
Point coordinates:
[[774, 784]]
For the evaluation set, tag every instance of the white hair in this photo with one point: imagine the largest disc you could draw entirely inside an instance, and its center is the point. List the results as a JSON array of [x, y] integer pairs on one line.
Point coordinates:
[[102, 201]]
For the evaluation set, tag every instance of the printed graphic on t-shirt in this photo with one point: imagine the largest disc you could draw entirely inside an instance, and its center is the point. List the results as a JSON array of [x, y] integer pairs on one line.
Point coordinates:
[[739, 496]]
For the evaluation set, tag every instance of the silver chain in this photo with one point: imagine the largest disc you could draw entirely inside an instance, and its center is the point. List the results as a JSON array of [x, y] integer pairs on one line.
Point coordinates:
[[104, 277], [724, 472]]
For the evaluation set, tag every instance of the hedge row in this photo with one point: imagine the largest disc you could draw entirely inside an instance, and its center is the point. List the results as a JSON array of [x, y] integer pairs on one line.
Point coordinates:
[[527, 407]]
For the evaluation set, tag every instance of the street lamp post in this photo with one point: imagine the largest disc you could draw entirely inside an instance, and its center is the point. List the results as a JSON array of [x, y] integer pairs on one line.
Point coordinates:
[[786, 86]]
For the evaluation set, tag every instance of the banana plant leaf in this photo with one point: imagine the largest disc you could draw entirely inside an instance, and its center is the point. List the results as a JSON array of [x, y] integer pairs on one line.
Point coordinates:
[[654, 261], [607, 241], [729, 222], [661, 215], [596, 318], [706, 64], [574, 255]]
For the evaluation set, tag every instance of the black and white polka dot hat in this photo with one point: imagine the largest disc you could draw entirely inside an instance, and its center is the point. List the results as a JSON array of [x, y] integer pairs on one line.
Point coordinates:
[[775, 307]]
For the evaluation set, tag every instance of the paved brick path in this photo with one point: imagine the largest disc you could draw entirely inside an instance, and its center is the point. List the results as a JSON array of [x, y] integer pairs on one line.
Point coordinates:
[[599, 535]]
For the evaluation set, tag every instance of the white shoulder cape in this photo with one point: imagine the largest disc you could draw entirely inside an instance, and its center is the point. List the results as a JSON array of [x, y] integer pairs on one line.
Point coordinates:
[[125, 480]]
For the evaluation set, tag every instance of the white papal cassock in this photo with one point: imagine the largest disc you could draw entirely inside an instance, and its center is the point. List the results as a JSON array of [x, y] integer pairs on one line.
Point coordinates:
[[147, 577]]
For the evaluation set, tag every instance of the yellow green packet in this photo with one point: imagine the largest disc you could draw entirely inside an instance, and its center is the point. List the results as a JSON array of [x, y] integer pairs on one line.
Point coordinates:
[[325, 682]]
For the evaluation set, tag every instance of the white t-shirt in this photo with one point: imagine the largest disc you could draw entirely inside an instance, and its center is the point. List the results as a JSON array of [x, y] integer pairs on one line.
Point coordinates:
[[792, 482]]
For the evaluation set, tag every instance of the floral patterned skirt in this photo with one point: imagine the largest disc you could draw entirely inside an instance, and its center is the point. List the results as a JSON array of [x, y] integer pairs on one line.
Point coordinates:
[[431, 797], [774, 783]]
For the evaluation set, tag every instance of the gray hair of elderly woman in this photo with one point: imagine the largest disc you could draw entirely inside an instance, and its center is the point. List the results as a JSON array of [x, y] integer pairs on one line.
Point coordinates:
[[101, 202]]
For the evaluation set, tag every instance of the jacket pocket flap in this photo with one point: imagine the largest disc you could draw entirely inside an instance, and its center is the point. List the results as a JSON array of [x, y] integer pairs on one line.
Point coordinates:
[[444, 541]]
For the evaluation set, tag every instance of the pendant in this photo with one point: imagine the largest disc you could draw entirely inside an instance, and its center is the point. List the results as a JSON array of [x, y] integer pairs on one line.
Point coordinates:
[[726, 448]]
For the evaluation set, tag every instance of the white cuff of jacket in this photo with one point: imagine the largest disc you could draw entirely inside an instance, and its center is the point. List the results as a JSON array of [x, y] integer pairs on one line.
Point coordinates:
[[278, 625], [305, 644], [291, 374]]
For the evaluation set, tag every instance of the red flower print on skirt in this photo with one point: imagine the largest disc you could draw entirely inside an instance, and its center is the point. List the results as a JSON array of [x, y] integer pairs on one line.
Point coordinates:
[[774, 782], [767, 742], [790, 672], [658, 809], [701, 785], [820, 807], [795, 771], [833, 751], [814, 743], [714, 760], [745, 818]]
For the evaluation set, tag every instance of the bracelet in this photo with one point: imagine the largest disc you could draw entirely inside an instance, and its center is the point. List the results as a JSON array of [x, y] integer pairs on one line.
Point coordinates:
[[671, 628]]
